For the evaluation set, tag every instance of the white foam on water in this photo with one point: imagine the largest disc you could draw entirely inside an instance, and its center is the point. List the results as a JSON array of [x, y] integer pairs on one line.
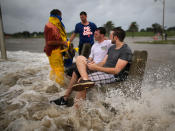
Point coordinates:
[[24, 100]]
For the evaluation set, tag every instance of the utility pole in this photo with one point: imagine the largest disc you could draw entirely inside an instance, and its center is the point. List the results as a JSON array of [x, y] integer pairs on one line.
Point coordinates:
[[2, 41], [163, 18], [163, 21]]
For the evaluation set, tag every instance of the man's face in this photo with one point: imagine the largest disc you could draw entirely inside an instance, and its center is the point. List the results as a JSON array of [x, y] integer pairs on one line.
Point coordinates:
[[83, 18], [97, 35], [113, 41]]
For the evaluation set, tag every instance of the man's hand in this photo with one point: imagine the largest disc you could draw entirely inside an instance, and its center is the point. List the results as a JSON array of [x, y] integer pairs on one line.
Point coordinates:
[[92, 65]]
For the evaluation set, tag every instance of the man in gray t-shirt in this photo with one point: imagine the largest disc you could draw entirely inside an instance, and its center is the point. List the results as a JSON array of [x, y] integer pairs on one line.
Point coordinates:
[[114, 54]]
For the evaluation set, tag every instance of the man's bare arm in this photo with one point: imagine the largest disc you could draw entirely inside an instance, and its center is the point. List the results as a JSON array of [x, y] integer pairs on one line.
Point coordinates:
[[72, 37], [119, 66], [103, 61]]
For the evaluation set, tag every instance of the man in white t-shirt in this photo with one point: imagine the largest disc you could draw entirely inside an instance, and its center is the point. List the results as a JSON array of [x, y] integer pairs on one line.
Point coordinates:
[[98, 52]]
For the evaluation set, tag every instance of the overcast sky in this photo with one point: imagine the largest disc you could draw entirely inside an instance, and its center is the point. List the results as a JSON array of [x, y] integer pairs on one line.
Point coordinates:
[[32, 15]]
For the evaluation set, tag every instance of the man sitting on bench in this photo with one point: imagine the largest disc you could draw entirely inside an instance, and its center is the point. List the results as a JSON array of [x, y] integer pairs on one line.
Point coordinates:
[[98, 52]]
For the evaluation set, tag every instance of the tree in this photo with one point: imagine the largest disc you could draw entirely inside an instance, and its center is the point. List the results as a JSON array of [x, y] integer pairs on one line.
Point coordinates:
[[142, 30], [157, 28], [26, 34], [149, 29], [34, 34], [108, 26], [133, 28], [171, 29]]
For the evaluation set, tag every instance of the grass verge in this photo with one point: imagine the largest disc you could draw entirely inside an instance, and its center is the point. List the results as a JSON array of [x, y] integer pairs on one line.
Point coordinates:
[[156, 42]]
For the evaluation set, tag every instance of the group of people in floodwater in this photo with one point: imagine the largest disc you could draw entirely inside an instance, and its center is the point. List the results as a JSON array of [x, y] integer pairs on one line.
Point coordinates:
[[105, 64]]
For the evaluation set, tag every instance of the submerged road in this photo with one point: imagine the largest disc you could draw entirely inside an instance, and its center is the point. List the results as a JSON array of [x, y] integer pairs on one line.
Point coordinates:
[[157, 53]]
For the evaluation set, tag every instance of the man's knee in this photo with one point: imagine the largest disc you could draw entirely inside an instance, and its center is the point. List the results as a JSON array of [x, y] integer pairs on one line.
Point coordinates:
[[81, 59]]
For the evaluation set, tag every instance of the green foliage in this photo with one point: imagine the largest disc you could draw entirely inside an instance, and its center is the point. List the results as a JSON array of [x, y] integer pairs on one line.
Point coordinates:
[[108, 26], [171, 29], [157, 28], [132, 31], [170, 33], [149, 29], [156, 42], [26, 34], [140, 34], [133, 27], [142, 30], [69, 34]]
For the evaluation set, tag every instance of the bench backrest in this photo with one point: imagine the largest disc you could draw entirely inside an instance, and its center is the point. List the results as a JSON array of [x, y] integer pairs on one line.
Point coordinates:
[[138, 65]]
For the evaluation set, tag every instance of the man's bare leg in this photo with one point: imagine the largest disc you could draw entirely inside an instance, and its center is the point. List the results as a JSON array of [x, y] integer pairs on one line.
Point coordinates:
[[73, 80], [81, 95], [82, 65]]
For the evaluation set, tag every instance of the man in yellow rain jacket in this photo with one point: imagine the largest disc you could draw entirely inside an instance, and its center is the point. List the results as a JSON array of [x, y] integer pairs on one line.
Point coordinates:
[[55, 39]]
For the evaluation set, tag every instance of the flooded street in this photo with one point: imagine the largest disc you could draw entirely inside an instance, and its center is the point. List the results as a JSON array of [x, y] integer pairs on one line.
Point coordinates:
[[160, 53], [25, 92]]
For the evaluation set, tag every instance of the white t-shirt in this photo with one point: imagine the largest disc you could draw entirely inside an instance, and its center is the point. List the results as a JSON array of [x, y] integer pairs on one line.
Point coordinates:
[[99, 50]]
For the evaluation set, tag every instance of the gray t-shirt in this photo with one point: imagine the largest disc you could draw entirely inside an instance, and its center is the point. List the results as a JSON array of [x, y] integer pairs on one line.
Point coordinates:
[[123, 53]]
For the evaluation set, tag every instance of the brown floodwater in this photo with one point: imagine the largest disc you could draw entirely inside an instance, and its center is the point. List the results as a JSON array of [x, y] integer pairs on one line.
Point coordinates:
[[25, 91]]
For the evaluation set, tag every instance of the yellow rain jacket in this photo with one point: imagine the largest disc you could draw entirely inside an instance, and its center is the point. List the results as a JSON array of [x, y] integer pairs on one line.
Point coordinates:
[[56, 58]]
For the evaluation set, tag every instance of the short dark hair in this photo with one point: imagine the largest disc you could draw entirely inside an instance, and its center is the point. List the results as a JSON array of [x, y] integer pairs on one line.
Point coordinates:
[[102, 30], [55, 12], [120, 33], [83, 13]]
